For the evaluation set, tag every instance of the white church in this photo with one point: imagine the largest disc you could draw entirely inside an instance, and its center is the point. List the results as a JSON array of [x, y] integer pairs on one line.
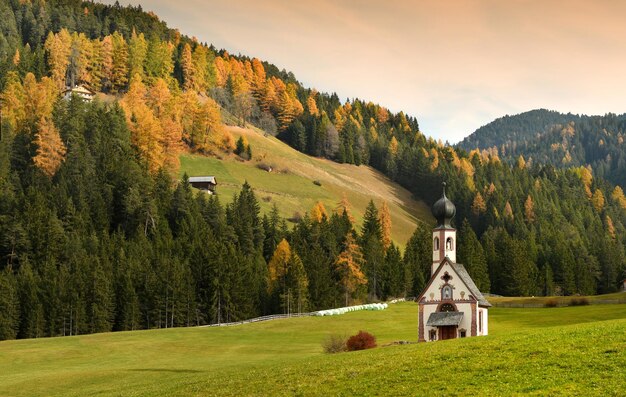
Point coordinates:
[[450, 306]]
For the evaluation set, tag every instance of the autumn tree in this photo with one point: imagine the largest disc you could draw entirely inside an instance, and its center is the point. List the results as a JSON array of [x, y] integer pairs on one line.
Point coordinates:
[[186, 63], [137, 53], [348, 265], [318, 212], [58, 48], [50, 148], [287, 278], [529, 210]]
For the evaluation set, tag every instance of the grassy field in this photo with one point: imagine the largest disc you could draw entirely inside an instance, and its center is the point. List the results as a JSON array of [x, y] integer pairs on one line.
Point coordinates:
[[290, 184], [541, 351]]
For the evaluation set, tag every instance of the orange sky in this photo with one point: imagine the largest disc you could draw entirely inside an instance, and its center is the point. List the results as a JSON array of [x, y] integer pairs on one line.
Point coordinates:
[[455, 65]]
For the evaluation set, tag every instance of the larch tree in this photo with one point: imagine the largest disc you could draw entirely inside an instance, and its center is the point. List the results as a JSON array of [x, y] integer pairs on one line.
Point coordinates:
[[348, 265], [318, 212], [58, 48], [529, 210], [186, 63], [50, 148]]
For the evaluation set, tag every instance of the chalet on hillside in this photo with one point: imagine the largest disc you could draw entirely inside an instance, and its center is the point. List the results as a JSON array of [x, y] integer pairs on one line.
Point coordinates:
[[205, 183], [80, 91]]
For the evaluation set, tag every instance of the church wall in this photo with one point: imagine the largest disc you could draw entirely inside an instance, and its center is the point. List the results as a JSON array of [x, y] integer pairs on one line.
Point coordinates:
[[485, 313]]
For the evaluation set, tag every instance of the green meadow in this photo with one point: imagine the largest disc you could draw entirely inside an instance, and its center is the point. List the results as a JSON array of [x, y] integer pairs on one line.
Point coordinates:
[[291, 185], [539, 351]]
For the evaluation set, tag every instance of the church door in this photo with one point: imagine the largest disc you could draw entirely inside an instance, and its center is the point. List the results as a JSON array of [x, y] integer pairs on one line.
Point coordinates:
[[447, 332]]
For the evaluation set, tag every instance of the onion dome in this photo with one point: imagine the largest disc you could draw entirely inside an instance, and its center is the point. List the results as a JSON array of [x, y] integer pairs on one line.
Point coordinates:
[[443, 210]]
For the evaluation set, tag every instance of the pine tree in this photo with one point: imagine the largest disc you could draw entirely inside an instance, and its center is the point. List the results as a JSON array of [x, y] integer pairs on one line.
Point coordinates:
[[9, 305], [471, 254]]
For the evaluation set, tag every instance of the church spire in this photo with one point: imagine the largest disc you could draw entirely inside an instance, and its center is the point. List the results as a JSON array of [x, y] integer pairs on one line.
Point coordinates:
[[444, 210]]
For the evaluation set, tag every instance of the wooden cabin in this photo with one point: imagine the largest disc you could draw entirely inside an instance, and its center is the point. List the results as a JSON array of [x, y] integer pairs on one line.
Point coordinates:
[[205, 183]]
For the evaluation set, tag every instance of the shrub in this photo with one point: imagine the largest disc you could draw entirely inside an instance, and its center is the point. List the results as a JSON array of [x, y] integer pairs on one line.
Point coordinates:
[[361, 341], [318, 183], [582, 301], [551, 303], [334, 344]]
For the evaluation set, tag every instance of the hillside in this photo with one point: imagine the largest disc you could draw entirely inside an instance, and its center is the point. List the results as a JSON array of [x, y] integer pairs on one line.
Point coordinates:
[[545, 137], [512, 130], [291, 186], [567, 351]]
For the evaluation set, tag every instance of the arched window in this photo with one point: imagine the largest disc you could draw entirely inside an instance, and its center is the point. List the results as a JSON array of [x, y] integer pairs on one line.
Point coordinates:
[[436, 244], [447, 307], [449, 244], [446, 292]]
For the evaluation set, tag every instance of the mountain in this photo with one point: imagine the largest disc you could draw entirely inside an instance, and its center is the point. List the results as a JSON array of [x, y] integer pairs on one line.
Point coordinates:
[[561, 140], [516, 129]]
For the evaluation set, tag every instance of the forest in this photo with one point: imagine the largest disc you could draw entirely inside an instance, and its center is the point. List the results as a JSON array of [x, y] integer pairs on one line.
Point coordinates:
[[98, 234]]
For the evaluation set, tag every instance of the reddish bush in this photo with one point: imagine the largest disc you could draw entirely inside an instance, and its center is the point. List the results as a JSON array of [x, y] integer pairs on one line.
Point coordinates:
[[361, 341]]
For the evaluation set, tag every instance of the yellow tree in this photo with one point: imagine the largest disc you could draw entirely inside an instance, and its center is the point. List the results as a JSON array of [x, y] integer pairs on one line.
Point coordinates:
[[508, 211], [618, 196], [344, 206], [318, 213], [58, 48], [312, 105], [200, 61], [287, 278], [478, 205], [207, 131], [384, 218], [348, 265], [13, 100], [50, 148], [529, 209], [598, 200], [146, 131], [393, 146], [610, 228], [186, 63]]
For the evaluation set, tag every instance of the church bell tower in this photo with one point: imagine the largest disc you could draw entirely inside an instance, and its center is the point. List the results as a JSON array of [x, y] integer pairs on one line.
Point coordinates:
[[444, 235]]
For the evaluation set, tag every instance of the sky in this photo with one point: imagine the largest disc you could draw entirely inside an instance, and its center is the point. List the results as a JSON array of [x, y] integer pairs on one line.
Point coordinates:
[[454, 65]]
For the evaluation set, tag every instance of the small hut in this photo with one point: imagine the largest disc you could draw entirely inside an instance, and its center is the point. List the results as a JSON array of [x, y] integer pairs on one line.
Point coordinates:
[[205, 183]]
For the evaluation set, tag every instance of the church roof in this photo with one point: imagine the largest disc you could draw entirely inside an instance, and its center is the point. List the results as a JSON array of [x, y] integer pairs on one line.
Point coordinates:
[[464, 275], [443, 210], [441, 319]]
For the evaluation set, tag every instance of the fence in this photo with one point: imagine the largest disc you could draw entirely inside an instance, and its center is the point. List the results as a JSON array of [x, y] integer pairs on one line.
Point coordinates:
[[258, 319]]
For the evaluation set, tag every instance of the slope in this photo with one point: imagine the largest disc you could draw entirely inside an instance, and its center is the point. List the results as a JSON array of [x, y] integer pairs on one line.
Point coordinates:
[[515, 129], [572, 350], [290, 185]]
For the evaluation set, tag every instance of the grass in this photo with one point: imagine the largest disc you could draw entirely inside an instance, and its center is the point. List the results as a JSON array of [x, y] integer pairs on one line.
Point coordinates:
[[617, 297], [557, 351], [291, 183]]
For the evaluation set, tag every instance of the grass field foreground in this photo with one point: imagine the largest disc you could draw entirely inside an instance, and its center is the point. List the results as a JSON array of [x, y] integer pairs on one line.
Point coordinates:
[[545, 351]]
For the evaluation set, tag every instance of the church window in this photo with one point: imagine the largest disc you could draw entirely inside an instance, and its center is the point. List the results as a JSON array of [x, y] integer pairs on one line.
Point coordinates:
[[446, 292], [432, 335], [449, 244], [480, 321], [436, 244], [447, 307]]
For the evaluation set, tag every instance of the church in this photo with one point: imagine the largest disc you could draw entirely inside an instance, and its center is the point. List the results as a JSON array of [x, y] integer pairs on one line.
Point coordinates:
[[450, 306]]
